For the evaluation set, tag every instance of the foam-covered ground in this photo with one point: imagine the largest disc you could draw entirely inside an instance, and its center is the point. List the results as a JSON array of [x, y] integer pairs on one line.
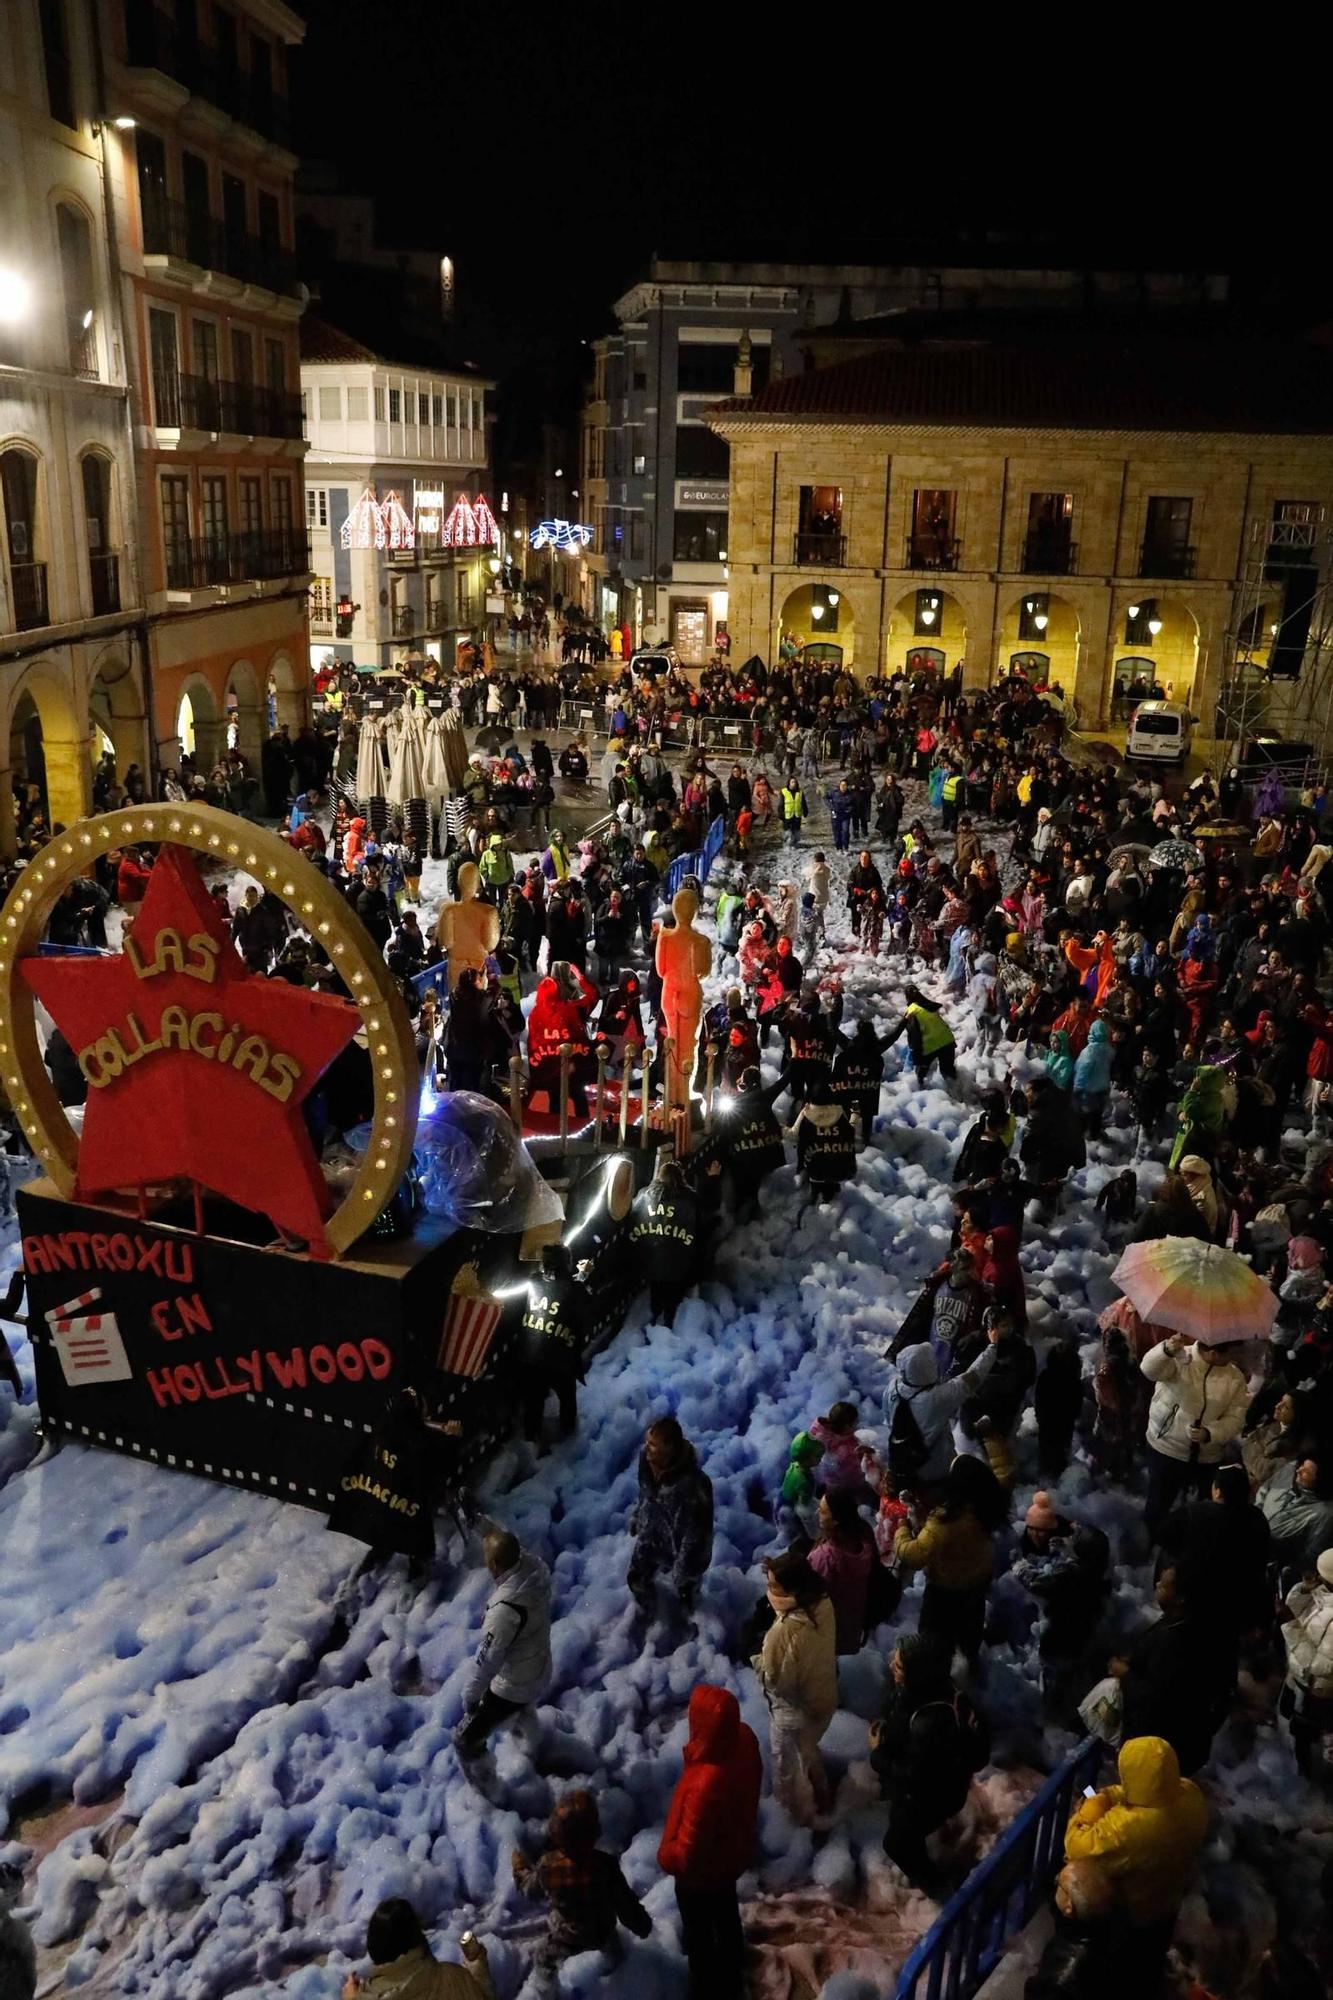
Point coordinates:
[[270, 1736]]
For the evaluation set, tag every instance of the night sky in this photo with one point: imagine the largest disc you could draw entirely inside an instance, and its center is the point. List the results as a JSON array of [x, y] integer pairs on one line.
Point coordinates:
[[552, 151]]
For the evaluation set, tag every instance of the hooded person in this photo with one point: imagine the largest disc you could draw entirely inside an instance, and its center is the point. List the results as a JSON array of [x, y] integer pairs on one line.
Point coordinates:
[[752, 1138], [1002, 1274], [620, 1017], [1059, 1061], [584, 1886], [709, 1837], [1198, 1178], [954, 1548], [565, 998], [1147, 1833], [1092, 1075], [919, 1410], [752, 954]]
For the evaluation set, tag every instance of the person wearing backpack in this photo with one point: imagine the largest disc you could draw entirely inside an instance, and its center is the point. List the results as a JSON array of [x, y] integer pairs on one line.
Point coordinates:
[[925, 1750], [920, 1410]]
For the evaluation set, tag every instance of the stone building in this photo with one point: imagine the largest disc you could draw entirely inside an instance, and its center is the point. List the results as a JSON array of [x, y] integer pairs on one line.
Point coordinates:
[[71, 609], [655, 480], [1096, 509]]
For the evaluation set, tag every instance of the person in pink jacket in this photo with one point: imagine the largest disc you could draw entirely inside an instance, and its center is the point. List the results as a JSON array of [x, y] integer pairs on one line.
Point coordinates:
[[843, 1558]]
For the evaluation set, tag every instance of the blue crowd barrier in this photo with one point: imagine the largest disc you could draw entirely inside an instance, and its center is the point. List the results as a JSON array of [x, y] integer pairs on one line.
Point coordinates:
[[968, 1938], [699, 862]]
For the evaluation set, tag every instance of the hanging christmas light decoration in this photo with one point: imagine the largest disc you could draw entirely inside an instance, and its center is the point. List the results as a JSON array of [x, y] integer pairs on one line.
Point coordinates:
[[568, 535], [397, 523], [364, 526], [487, 529], [460, 525]]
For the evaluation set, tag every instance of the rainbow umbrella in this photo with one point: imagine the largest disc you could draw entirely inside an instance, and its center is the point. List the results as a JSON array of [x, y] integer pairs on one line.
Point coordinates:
[[1197, 1289]]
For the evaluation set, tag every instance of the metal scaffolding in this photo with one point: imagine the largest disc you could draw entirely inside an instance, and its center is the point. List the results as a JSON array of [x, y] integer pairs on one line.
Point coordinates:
[[1278, 666]]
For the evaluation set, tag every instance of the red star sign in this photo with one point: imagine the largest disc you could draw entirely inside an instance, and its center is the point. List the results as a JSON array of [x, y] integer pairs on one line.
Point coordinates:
[[197, 1068]]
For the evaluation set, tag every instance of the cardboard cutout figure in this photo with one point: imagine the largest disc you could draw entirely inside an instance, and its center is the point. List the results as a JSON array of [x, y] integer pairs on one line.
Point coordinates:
[[469, 930], [683, 956]]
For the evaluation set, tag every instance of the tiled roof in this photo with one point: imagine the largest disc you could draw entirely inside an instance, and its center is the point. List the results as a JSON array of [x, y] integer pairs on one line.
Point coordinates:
[[322, 342], [1216, 385]]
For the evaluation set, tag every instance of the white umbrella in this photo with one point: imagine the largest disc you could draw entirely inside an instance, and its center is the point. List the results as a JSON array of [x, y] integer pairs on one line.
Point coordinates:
[[407, 778], [434, 763], [370, 759]]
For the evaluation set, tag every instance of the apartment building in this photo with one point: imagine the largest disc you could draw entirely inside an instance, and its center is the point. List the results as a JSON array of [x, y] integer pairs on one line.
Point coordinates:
[[406, 443], [201, 180], [72, 637]]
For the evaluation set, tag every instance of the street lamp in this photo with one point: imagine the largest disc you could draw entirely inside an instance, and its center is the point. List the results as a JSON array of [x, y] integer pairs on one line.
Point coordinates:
[[1154, 626], [1041, 621]]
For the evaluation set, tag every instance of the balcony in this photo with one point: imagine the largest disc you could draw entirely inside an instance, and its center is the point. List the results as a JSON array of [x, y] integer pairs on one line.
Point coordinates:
[[1050, 555], [27, 580], [83, 352], [404, 621], [932, 552], [829, 551], [190, 236], [196, 403], [105, 571], [266, 556], [1161, 559], [155, 40]]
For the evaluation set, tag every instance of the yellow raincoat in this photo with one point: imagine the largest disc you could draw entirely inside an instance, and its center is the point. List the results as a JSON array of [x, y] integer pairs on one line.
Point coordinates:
[[1146, 1831]]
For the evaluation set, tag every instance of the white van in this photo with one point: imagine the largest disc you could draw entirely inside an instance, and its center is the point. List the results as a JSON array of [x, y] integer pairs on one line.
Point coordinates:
[[1159, 732]]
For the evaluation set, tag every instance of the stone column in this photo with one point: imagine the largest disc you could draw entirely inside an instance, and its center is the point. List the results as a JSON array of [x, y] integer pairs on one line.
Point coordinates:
[[69, 775]]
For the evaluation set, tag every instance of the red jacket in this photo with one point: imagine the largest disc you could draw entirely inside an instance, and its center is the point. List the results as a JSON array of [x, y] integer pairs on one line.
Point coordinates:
[[554, 1021], [131, 880], [710, 1829]]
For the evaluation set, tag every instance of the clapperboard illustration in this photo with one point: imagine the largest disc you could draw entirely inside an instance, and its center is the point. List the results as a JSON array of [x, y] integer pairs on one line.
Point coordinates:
[[88, 1341]]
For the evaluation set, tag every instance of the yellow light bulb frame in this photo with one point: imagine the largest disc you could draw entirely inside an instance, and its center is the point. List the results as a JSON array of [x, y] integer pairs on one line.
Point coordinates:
[[315, 904]]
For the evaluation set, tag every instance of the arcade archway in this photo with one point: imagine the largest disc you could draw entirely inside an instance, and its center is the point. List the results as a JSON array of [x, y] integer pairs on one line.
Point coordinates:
[[1039, 635], [1154, 646], [818, 614], [246, 720], [199, 728], [927, 631], [286, 696], [116, 712], [50, 744]]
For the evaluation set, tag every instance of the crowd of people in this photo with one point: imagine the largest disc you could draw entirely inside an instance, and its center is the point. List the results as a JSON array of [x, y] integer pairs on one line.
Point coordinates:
[[1124, 968]]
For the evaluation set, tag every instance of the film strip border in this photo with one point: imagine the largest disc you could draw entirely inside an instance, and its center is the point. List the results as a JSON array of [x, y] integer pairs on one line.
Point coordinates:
[[258, 1482]]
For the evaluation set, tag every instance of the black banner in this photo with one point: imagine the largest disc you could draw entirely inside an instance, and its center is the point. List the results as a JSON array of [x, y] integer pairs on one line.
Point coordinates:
[[242, 1364]]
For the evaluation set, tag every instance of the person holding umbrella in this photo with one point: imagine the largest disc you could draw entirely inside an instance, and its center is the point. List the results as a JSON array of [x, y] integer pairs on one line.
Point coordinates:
[[1199, 1402]]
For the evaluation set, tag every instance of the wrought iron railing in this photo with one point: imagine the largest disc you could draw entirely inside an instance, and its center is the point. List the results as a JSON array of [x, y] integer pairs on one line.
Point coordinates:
[[265, 556], [105, 570], [932, 552], [1166, 559], [822, 548], [28, 582], [1045, 555]]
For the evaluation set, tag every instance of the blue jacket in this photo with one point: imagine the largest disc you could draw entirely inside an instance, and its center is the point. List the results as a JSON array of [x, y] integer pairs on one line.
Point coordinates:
[[1092, 1071], [840, 807]]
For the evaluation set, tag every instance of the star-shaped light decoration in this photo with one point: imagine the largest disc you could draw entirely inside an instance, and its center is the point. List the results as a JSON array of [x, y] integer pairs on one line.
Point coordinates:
[[197, 1067]]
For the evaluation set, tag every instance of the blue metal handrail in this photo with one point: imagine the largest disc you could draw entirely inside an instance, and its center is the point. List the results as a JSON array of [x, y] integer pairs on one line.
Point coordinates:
[[698, 862], [968, 1938]]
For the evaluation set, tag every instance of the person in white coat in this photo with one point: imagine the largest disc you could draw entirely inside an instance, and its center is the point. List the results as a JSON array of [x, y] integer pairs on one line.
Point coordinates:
[[922, 1429], [1198, 1407], [1307, 1630], [798, 1671], [513, 1661]]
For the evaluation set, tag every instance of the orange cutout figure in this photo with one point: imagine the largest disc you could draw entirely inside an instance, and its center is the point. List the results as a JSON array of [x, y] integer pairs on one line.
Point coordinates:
[[469, 930], [683, 956]]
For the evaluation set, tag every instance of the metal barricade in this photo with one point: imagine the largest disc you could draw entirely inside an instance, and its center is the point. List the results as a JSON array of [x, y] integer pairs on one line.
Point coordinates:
[[968, 1938]]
